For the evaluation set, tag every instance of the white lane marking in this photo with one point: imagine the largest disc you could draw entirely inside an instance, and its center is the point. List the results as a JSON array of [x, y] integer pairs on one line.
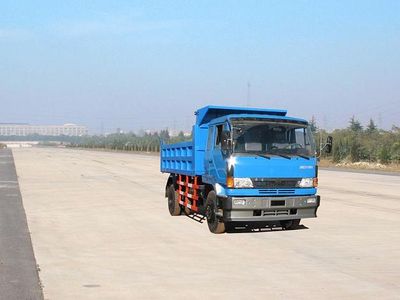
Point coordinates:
[[8, 184]]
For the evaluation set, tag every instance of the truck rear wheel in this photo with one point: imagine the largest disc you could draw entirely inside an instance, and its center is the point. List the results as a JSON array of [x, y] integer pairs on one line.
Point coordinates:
[[173, 204], [188, 211], [215, 224], [290, 224]]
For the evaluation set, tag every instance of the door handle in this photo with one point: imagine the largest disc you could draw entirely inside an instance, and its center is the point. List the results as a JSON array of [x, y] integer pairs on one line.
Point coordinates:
[[210, 161]]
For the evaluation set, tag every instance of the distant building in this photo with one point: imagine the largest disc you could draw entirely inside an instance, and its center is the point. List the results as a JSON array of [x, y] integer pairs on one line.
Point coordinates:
[[174, 133], [51, 130]]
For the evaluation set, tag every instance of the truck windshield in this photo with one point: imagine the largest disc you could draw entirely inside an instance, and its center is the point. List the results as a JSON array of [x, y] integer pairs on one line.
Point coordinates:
[[272, 138]]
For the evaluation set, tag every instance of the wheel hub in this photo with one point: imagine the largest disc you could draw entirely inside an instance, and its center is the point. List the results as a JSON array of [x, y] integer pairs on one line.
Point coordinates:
[[210, 212]]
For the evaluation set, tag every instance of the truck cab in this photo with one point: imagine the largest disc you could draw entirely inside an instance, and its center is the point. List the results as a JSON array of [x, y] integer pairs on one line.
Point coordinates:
[[251, 166]]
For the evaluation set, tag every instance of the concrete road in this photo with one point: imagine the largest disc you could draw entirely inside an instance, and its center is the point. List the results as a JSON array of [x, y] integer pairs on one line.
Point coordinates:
[[101, 230]]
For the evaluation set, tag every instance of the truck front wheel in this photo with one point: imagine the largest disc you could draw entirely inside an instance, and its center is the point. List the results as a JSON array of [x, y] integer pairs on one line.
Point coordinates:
[[290, 224], [173, 204], [214, 214]]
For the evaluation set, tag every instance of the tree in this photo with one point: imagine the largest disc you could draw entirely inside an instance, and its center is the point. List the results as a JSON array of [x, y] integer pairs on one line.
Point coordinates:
[[396, 152], [337, 151], [355, 125], [313, 125], [396, 129], [355, 150], [164, 135], [371, 127], [384, 155], [181, 136]]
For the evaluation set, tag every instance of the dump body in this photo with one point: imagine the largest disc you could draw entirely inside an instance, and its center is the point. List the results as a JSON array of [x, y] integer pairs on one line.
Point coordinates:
[[259, 163], [178, 158]]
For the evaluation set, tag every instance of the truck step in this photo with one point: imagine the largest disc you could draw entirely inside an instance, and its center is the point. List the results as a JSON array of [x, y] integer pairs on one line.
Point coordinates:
[[197, 217]]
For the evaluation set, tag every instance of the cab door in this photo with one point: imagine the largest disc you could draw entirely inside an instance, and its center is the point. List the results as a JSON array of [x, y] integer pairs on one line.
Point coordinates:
[[219, 159], [215, 161], [208, 157]]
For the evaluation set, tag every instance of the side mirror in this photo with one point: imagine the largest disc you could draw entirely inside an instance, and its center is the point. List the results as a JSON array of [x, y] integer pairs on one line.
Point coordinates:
[[226, 143], [328, 145]]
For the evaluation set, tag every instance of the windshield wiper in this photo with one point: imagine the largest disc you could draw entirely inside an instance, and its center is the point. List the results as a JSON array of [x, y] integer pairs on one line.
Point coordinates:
[[263, 155], [303, 156], [284, 156]]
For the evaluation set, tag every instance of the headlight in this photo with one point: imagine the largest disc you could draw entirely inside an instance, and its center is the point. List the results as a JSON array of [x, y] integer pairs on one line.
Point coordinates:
[[242, 183], [312, 200], [306, 183]]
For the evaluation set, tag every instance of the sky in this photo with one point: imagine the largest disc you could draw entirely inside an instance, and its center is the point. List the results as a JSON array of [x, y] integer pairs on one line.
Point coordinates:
[[150, 64]]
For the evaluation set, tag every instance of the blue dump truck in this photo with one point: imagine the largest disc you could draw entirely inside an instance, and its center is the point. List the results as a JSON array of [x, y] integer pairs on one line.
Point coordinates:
[[244, 167]]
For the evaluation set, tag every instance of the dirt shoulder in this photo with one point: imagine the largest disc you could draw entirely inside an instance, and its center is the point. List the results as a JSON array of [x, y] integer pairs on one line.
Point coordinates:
[[361, 167]]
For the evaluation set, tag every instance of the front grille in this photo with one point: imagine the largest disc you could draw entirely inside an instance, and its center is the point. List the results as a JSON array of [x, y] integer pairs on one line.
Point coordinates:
[[276, 192], [275, 182], [279, 212], [275, 212]]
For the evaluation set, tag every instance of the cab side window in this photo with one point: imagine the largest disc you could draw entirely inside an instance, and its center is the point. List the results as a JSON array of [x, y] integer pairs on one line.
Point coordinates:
[[218, 136], [210, 137]]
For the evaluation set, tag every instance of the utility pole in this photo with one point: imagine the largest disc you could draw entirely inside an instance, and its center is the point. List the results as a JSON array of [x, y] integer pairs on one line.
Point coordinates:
[[380, 120], [248, 94], [325, 122]]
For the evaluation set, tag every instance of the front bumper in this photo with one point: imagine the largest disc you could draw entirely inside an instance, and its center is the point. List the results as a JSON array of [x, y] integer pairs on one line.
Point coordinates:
[[269, 209]]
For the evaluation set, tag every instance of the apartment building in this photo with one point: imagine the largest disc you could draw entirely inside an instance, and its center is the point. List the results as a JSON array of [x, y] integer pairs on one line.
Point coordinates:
[[51, 130]]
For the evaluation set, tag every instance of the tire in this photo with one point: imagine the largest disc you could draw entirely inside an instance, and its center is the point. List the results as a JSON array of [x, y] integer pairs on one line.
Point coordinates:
[[173, 204], [290, 224], [187, 211], [215, 225]]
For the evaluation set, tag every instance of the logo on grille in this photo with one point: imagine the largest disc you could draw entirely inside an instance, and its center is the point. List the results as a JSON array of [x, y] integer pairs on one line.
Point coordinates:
[[306, 167]]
